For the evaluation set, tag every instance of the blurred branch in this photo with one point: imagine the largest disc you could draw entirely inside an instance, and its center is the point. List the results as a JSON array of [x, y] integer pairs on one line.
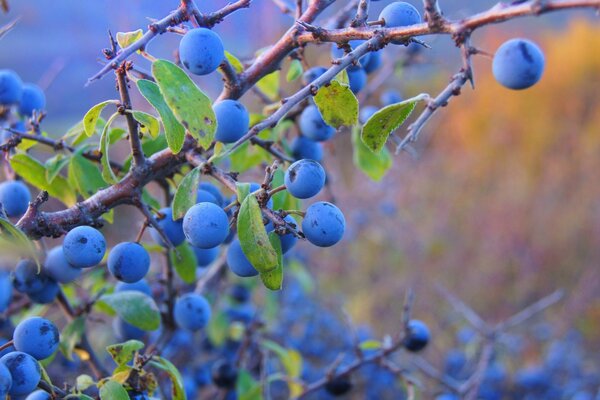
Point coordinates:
[[8, 27]]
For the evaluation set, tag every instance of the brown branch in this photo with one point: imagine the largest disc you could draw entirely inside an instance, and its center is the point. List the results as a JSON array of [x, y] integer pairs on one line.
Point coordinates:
[[138, 158]]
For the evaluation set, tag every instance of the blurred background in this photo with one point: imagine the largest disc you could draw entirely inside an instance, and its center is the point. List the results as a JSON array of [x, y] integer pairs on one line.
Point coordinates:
[[501, 204]]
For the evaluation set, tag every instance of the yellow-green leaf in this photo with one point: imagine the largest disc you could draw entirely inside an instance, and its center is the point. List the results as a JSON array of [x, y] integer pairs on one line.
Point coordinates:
[[91, 117], [148, 123], [185, 264], [295, 71], [375, 166], [113, 390], [269, 85], [185, 196], [273, 280], [235, 63], [337, 104], [136, 308], [177, 390], [253, 236], [124, 39]]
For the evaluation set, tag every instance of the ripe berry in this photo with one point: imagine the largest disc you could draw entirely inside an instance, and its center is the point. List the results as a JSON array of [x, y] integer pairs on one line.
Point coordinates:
[[37, 337], [47, 294], [304, 179], [518, 64], [323, 224], [201, 51], [14, 197], [204, 257], [32, 99], [303, 147], [128, 262], [172, 229], [192, 312], [398, 14], [224, 374], [11, 87], [312, 74], [24, 370], [5, 290], [238, 262], [417, 336], [390, 97], [58, 268], [313, 126], [5, 381], [233, 120], [26, 278], [357, 79], [339, 386], [239, 293], [125, 331], [84, 247], [205, 225]]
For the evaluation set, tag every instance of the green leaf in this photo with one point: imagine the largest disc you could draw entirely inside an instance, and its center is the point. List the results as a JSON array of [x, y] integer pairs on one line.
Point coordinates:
[[107, 173], [174, 131], [148, 123], [247, 387], [113, 390], [84, 382], [177, 391], [191, 107], [247, 157], [217, 328], [84, 175], [185, 265], [136, 308], [15, 239], [375, 166], [35, 173], [235, 63], [269, 85], [45, 376], [124, 39], [253, 236], [295, 71], [54, 165], [71, 336], [378, 128], [290, 359], [185, 195], [342, 78], [122, 353], [243, 190], [370, 345], [337, 104], [91, 117], [273, 280]]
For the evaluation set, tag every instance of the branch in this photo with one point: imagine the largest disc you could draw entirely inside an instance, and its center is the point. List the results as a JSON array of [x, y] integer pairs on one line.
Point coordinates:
[[362, 13], [433, 14], [210, 20], [138, 158]]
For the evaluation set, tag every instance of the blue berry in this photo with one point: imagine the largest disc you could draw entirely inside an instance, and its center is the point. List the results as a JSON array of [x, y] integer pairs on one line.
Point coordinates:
[[375, 62], [133, 395], [125, 331], [238, 262], [24, 370], [399, 14], [323, 224], [289, 239], [304, 179], [58, 268], [5, 381], [311, 74], [240, 293], [205, 225], [337, 52], [357, 79], [313, 126], [139, 286], [366, 113], [84, 247], [128, 262], [212, 189], [32, 99], [11, 87], [303, 147], [233, 120], [204, 257], [224, 374], [173, 229], [192, 312], [47, 294], [417, 336], [204, 196], [390, 97], [518, 64], [201, 51], [39, 395], [26, 278], [5, 290], [14, 197], [37, 337]]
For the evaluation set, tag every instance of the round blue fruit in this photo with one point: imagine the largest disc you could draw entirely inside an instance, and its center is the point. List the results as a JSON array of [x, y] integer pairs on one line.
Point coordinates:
[[339, 52], [289, 239], [205, 225], [125, 331], [323, 224], [233, 120], [58, 268], [139, 286], [39, 395], [204, 196], [357, 79], [212, 189], [5, 381], [417, 336], [313, 126], [375, 62], [14, 197], [311, 74], [26, 278], [192, 312], [518, 64], [84, 247], [37, 337], [11, 87], [399, 14], [205, 257], [238, 262], [32, 99], [5, 290], [305, 148], [47, 294], [128, 262], [390, 97], [24, 371], [201, 51], [366, 113], [304, 179], [172, 229]]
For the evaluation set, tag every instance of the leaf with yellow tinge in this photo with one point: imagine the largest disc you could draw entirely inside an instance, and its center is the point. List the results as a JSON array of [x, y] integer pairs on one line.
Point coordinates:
[[253, 236], [124, 39], [273, 280], [91, 117], [191, 107], [375, 166], [337, 104]]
